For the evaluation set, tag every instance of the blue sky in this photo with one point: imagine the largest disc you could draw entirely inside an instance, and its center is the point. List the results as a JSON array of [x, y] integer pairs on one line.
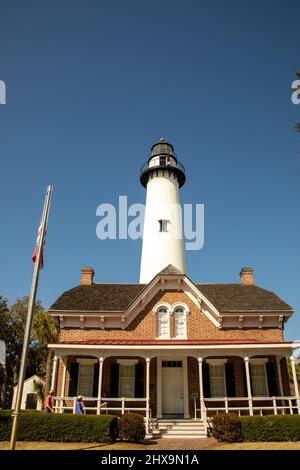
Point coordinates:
[[90, 87]]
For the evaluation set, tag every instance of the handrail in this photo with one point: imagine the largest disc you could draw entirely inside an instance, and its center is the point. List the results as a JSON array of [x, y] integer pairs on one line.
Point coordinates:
[[166, 165], [253, 398]]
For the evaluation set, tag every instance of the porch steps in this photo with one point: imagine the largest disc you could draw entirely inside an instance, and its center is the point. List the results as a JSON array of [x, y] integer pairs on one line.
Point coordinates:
[[183, 429]]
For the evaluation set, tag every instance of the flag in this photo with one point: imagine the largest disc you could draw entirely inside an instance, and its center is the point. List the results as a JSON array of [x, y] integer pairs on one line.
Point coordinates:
[[35, 251]]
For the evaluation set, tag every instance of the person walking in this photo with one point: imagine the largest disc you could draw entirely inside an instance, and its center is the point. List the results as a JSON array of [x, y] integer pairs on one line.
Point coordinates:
[[48, 404], [79, 407]]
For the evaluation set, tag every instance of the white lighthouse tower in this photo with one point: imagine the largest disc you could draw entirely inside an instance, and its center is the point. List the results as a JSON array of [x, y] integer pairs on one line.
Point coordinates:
[[163, 242]]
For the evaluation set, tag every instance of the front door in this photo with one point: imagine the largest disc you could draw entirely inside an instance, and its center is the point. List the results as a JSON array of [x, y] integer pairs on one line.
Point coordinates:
[[172, 388]]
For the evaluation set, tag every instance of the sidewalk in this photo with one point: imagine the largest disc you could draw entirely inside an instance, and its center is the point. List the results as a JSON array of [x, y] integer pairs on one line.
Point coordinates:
[[150, 444]]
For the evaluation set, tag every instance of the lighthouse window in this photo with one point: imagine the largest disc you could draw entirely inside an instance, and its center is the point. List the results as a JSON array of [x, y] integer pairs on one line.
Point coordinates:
[[163, 225]]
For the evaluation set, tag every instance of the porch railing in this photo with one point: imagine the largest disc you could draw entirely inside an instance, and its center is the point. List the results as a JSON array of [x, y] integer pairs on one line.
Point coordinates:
[[283, 405], [62, 404]]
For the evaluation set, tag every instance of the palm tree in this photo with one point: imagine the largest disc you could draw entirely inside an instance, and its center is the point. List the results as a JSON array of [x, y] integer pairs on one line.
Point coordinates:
[[39, 389], [44, 330]]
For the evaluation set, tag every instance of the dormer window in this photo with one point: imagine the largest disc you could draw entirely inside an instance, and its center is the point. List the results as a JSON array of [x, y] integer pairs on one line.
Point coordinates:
[[180, 323], [163, 326], [163, 225]]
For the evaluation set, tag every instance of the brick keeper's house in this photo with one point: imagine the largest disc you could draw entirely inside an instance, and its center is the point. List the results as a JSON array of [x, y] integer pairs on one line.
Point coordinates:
[[169, 348]]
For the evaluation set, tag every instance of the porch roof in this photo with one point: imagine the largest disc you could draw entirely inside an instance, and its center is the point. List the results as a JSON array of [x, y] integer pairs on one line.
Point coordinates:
[[185, 346], [171, 342]]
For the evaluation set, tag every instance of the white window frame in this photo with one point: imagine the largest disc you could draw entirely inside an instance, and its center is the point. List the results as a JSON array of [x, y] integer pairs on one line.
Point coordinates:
[[156, 310], [259, 362], [127, 363], [213, 363], [185, 311]]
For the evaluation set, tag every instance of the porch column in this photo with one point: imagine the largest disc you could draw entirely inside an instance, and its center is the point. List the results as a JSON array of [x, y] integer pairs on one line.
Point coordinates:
[[296, 387], [279, 376], [201, 397], [147, 392], [247, 360], [54, 373], [63, 384], [100, 385]]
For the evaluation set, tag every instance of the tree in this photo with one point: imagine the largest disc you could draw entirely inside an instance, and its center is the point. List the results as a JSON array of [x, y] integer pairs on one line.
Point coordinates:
[[45, 331], [12, 326], [39, 389], [4, 312], [291, 378]]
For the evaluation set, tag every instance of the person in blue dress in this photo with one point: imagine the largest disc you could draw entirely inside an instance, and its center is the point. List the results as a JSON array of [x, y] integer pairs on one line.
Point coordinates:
[[79, 407]]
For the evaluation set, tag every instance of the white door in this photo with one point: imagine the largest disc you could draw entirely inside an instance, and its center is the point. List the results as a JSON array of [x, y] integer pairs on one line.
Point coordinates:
[[172, 387]]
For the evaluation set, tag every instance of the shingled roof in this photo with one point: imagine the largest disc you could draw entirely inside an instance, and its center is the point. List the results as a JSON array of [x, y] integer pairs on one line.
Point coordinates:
[[238, 298], [98, 297], [117, 297]]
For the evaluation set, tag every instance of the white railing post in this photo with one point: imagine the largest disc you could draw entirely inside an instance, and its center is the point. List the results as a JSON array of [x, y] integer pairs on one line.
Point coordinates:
[[63, 385], [296, 387], [274, 405], [226, 404], [202, 405], [54, 373], [99, 385], [247, 360], [147, 392], [74, 405], [123, 405]]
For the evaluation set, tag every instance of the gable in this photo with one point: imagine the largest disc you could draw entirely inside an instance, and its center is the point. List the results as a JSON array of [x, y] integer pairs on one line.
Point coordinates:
[[117, 305], [143, 326]]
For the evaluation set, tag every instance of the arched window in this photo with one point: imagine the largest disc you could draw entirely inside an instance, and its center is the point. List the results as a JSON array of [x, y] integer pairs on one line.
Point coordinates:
[[163, 328], [180, 323]]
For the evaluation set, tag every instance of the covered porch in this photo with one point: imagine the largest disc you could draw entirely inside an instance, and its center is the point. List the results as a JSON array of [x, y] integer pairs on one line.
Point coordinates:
[[171, 381]]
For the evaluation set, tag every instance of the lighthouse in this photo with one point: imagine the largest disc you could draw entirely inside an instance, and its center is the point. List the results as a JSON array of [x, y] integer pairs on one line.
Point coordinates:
[[162, 176]]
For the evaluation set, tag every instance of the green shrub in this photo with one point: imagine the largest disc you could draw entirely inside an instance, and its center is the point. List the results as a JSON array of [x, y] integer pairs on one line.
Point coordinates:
[[271, 428], [227, 427], [132, 427], [40, 426]]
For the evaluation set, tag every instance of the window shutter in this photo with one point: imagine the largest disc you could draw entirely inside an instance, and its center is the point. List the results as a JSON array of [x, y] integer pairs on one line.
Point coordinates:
[[271, 377], [96, 380], [114, 380], [230, 379], [139, 381], [74, 367], [206, 382]]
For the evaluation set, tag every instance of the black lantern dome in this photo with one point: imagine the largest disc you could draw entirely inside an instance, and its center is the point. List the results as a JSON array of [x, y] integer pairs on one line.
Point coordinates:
[[162, 158]]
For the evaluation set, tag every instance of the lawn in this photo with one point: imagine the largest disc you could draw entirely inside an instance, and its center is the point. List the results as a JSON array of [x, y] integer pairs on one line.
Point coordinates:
[[161, 444]]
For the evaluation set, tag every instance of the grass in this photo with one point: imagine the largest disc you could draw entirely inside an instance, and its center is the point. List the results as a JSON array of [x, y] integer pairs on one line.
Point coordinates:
[[162, 444], [256, 446]]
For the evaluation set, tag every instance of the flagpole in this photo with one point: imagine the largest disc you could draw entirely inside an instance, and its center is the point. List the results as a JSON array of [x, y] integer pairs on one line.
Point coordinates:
[[31, 304]]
